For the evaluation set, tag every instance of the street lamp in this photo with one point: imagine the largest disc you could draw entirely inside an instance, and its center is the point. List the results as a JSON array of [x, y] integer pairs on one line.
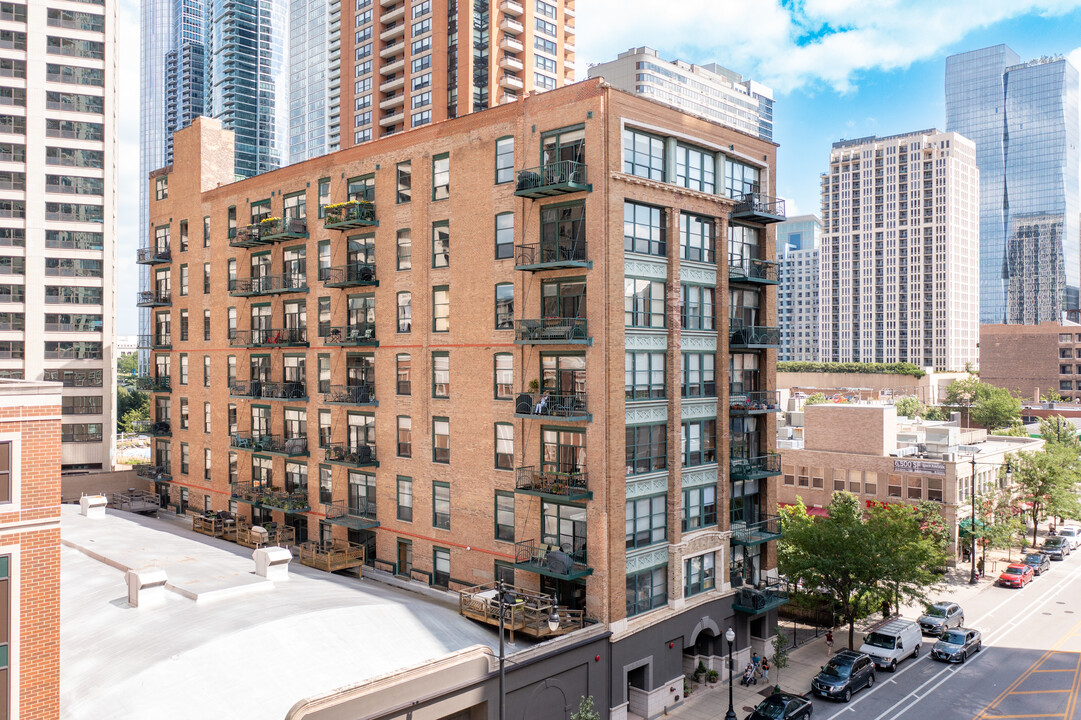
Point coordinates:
[[974, 578], [730, 636], [553, 619]]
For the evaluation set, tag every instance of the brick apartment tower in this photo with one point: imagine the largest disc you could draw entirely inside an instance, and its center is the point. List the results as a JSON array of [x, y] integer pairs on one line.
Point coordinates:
[[464, 411], [30, 421], [407, 65]]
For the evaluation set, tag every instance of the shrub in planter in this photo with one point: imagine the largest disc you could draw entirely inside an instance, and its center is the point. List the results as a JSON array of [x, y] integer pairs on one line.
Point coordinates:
[[712, 676]]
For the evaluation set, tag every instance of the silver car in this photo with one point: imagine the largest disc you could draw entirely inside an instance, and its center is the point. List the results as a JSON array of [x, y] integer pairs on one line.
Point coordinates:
[[957, 645], [941, 616], [1072, 535]]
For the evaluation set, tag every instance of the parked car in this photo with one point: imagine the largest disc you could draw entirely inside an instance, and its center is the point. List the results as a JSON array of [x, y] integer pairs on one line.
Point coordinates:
[[1057, 547], [846, 672], [1072, 533], [892, 643], [782, 706], [941, 616], [1016, 575], [1040, 562], [957, 645]]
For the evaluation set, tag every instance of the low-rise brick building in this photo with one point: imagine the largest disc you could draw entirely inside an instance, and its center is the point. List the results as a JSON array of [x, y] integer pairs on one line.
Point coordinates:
[[412, 346], [1032, 360]]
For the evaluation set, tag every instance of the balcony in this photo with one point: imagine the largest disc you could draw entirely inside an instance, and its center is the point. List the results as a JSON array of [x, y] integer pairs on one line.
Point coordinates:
[[392, 119], [158, 341], [751, 270], [509, 62], [270, 497], [270, 337], [273, 444], [394, 30], [331, 557], [277, 229], [268, 285], [392, 67], [755, 468], [351, 335], [392, 84], [160, 428], [510, 25], [759, 208], [392, 49], [148, 383], [353, 275], [249, 236], [757, 533], [269, 390], [350, 215], [555, 178], [352, 517], [511, 44], [551, 331], [754, 337], [571, 406], [512, 7], [754, 403], [562, 254], [362, 394], [150, 298], [392, 101], [156, 473], [154, 256], [552, 485], [523, 611], [550, 560], [769, 595], [511, 82], [351, 455]]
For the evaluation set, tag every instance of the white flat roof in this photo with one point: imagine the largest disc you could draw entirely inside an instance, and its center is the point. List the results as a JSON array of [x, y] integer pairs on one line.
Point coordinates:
[[245, 648]]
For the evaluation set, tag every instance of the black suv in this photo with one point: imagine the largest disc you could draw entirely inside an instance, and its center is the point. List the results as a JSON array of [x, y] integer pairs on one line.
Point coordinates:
[[845, 673]]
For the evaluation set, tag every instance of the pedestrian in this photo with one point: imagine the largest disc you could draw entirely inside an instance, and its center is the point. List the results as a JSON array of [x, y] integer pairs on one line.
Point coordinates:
[[979, 567], [757, 661], [765, 669], [829, 643]]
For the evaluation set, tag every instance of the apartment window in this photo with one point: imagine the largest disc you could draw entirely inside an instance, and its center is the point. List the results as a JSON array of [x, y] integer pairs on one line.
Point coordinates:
[[643, 303], [405, 436], [893, 486], [504, 516], [646, 522], [324, 196], [405, 182], [695, 168], [504, 376], [405, 250], [206, 371], [441, 309], [183, 413], [740, 179], [440, 374], [441, 505], [206, 278], [699, 507], [504, 306], [644, 375], [440, 567], [647, 448], [545, 45], [934, 489], [698, 374], [206, 465], [183, 236], [696, 307], [403, 374], [504, 160], [504, 446], [231, 222], [234, 473], [647, 590], [325, 429], [644, 229], [323, 370], [696, 238], [441, 177], [405, 312], [699, 574], [440, 440], [915, 488], [699, 442], [504, 236], [161, 187], [185, 458], [418, 119], [230, 315], [80, 433], [405, 499], [183, 369], [643, 155], [440, 245], [546, 9], [184, 325], [183, 280]]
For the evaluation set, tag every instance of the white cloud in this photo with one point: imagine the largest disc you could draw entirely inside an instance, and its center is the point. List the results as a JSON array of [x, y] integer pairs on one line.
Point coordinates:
[[1074, 57], [822, 42]]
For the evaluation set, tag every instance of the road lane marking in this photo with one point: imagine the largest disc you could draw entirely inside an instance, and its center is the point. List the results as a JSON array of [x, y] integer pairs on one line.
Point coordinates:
[[1038, 692], [1076, 684]]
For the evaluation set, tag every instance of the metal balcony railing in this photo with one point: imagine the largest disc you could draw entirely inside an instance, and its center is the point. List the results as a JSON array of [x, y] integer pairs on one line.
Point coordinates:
[[268, 285], [767, 528], [752, 270], [756, 467], [753, 336], [268, 496], [357, 334], [769, 595], [551, 560], [551, 331], [354, 274], [566, 485], [270, 337], [341, 512], [562, 253], [350, 214], [363, 394], [268, 390], [153, 256], [346, 454], [753, 403], [547, 404], [554, 178], [159, 473], [150, 298], [252, 442], [248, 236], [760, 208], [274, 229], [157, 341]]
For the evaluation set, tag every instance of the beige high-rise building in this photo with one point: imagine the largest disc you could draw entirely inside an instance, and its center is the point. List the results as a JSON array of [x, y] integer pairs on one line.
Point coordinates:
[[900, 251], [58, 213]]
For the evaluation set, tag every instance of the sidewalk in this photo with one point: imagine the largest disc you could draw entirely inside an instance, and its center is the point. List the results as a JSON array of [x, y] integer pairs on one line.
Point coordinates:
[[710, 701]]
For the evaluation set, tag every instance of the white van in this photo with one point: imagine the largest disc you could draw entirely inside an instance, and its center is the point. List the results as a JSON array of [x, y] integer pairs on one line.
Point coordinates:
[[892, 643], [1072, 534]]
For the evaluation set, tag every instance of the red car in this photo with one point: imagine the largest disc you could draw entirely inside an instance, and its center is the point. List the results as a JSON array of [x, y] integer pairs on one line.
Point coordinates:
[[1016, 576]]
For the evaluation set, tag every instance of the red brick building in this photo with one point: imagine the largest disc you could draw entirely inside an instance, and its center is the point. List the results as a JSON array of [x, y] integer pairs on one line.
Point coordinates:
[[417, 345], [30, 550]]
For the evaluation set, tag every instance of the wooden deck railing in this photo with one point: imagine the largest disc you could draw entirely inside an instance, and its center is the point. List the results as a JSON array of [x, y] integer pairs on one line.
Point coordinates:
[[527, 613]]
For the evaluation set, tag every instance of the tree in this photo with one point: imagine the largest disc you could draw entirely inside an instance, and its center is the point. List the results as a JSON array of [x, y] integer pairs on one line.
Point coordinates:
[[815, 399], [910, 406], [1044, 481], [907, 554], [1057, 430], [131, 405], [128, 419], [1050, 396], [780, 653], [935, 413], [830, 553], [127, 364], [585, 710], [989, 406]]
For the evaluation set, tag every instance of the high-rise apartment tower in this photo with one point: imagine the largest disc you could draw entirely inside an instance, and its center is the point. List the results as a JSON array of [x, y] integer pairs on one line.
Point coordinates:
[[797, 297], [1023, 117], [898, 263]]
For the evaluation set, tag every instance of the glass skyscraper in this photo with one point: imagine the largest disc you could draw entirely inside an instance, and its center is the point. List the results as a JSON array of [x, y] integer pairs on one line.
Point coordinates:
[[1023, 118]]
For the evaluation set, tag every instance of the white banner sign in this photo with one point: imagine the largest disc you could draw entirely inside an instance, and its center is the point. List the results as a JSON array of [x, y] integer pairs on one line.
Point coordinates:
[[923, 467]]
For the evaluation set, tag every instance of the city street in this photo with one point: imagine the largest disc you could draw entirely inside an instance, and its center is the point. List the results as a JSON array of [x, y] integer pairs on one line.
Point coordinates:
[[1030, 665]]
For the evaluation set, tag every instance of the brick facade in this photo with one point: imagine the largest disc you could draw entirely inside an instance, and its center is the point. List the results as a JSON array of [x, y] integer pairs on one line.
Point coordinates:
[[1026, 359], [472, 342]]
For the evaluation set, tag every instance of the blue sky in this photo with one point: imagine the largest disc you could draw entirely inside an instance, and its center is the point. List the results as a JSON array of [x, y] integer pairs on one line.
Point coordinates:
[[838, 68]]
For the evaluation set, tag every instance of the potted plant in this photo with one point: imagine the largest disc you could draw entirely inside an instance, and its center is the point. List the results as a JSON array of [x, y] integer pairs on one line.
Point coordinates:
[[712, 676], [699, 671], [534, 385]]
